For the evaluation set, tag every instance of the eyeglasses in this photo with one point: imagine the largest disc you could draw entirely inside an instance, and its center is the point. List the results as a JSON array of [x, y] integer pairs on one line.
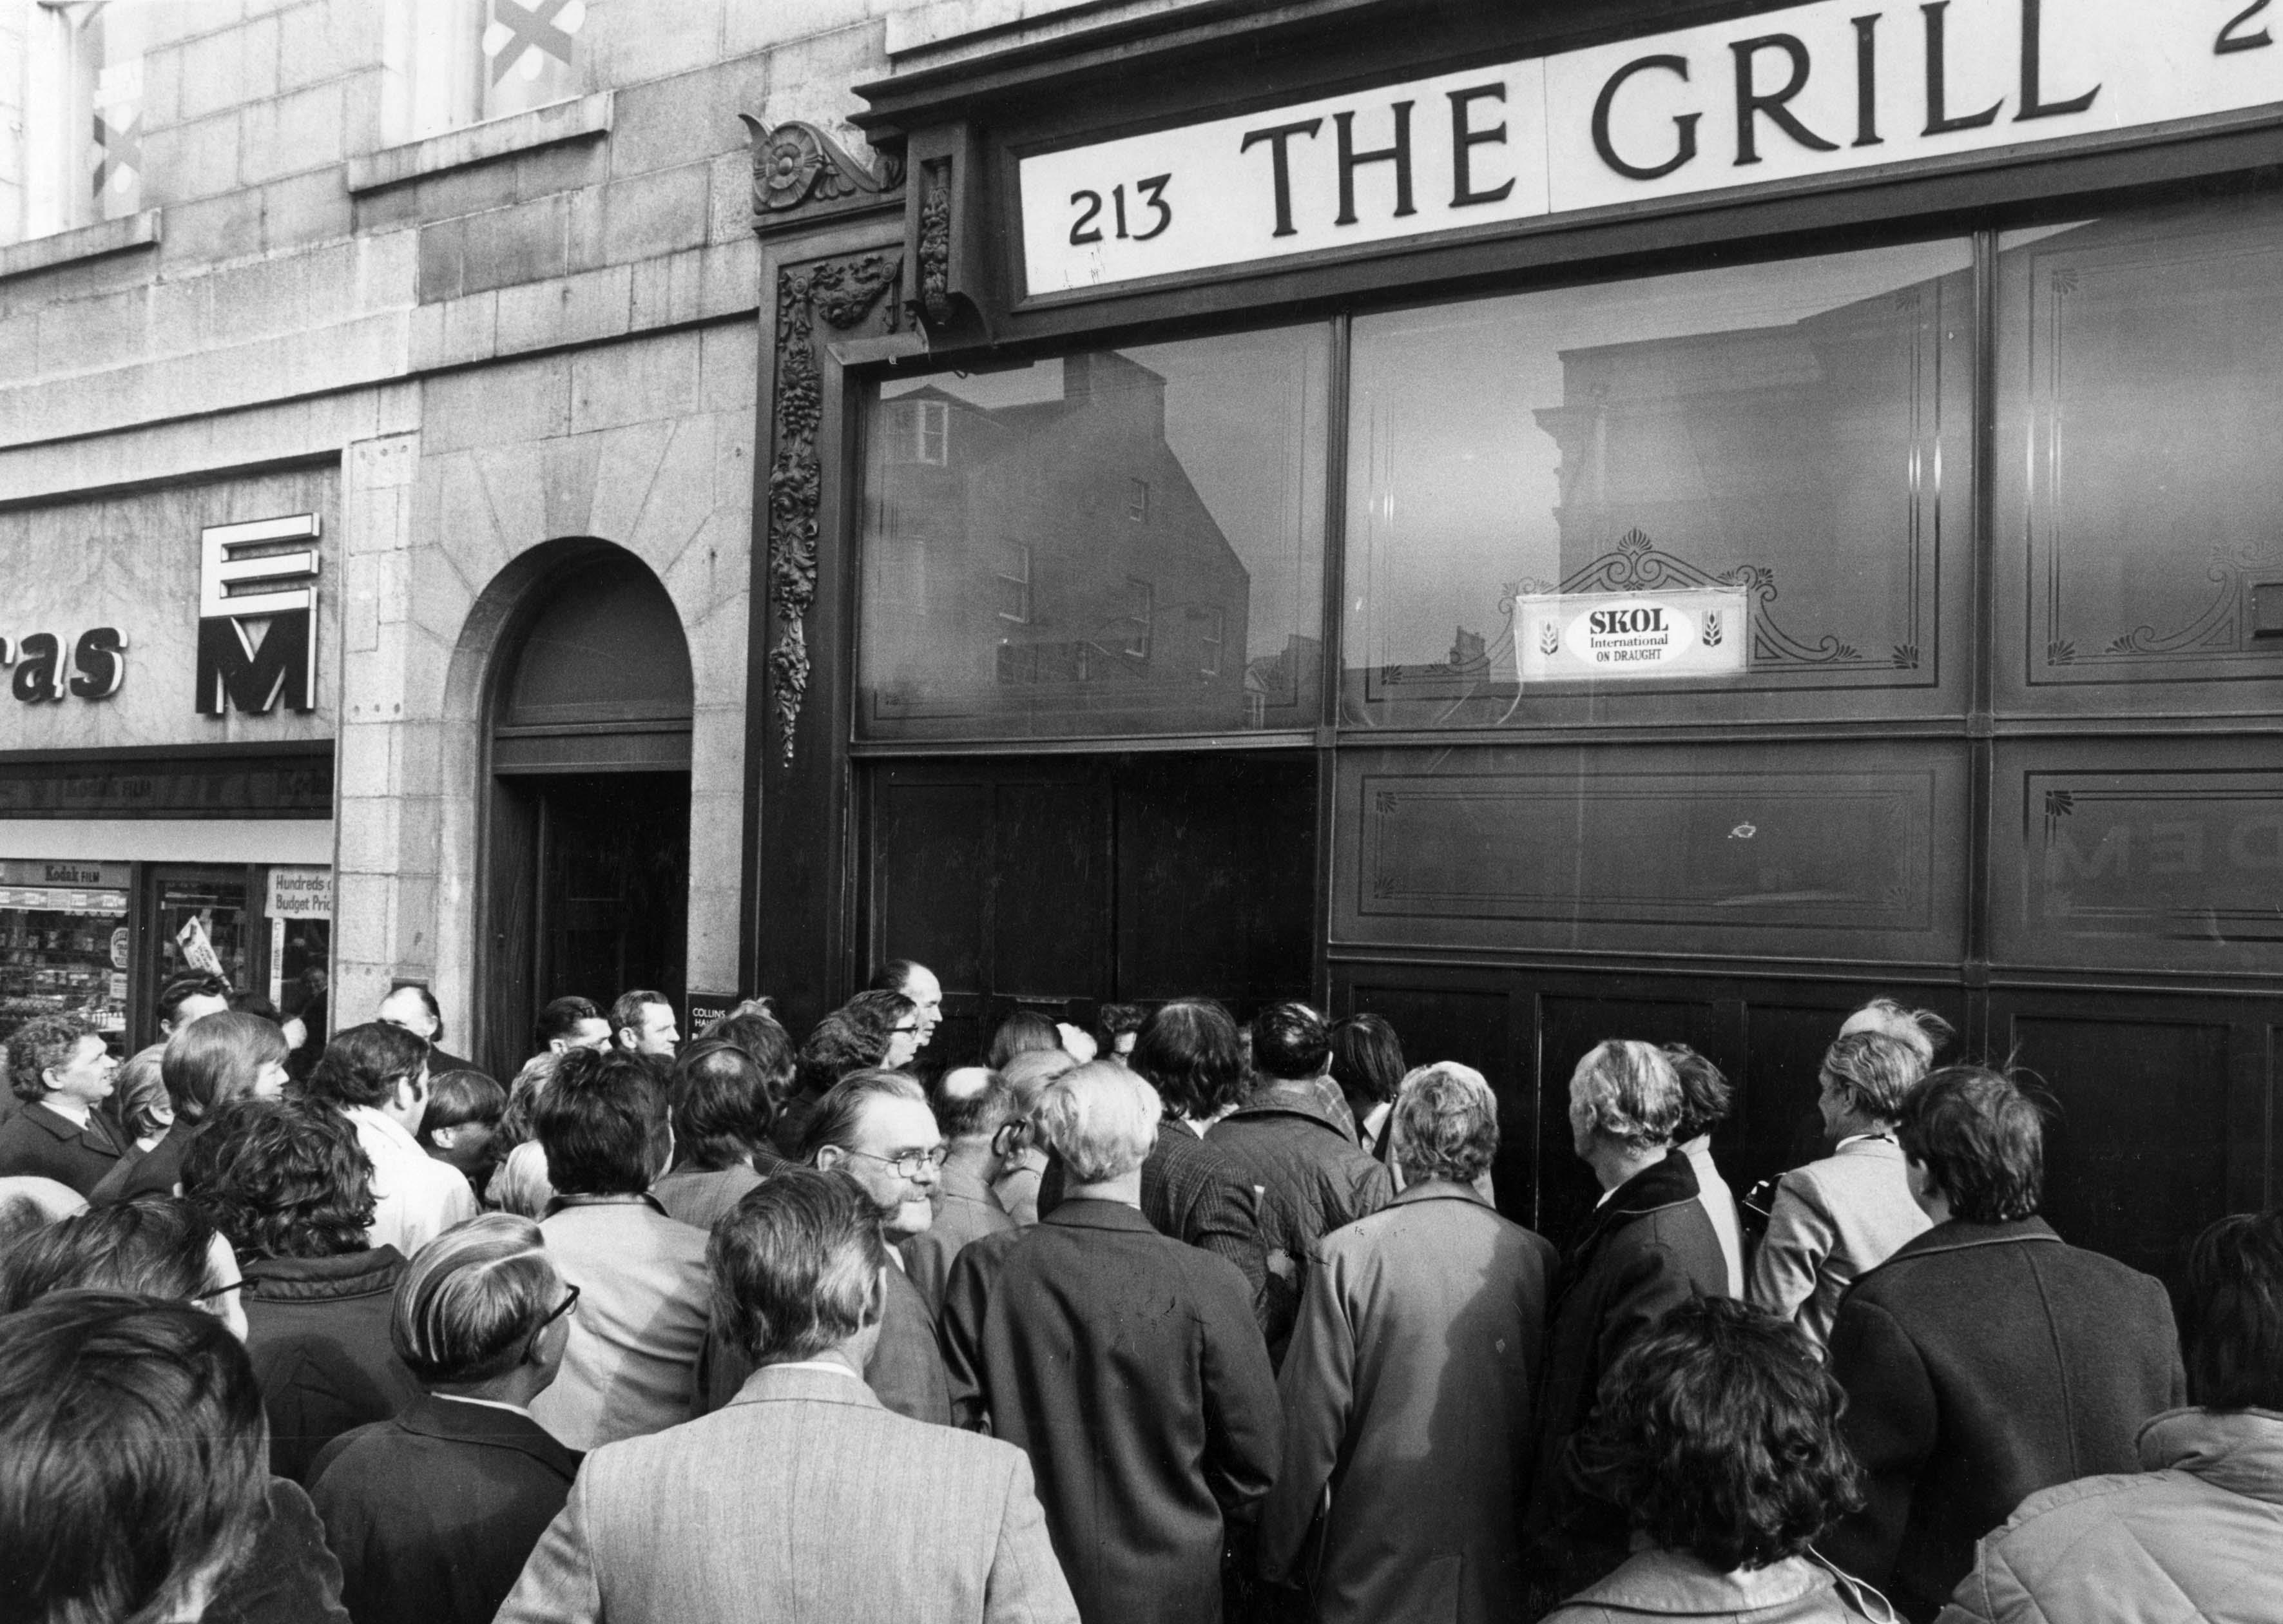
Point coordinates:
[[213, 1292], [569, 1305], [911, 1163]]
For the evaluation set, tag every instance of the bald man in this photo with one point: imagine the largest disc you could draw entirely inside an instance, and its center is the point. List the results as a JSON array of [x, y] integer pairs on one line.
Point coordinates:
[[972, 1104]]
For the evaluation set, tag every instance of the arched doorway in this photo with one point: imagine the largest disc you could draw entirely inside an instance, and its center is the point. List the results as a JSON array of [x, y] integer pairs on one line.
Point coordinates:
[[588, 880]]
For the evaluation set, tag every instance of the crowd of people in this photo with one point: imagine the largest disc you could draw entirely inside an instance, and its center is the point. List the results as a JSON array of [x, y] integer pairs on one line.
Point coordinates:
[[1165, 1322]]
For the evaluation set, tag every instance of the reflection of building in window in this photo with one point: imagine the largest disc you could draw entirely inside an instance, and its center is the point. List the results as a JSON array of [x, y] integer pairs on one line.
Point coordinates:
[[82, 115], [1014, 578], [1047, 587], [1139, 618]]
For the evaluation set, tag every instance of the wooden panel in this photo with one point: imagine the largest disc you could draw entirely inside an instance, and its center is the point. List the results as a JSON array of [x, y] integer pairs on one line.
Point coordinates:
[[1569, 1024], [1050, 905], [1475, 1026], [1216, 878], [930, 876], [1734, 849], [2138, 1151], [2155, 854]]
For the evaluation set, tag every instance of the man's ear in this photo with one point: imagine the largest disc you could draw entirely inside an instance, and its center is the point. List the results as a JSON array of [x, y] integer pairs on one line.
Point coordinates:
[[443, 1138], [876, 1304], [829, 1157]]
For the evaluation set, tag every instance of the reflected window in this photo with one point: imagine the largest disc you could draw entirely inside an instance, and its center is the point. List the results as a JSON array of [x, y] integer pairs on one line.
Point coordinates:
[[82, 119], [2140, 361], [1729, 478], [1032, 534]]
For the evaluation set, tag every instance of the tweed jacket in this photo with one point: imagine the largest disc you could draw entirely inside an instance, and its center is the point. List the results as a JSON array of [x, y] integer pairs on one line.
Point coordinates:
[[317, 1333], [1647, 1248], [965, 1210], [1295, 1144], [1406, 1397], [631, 1364], [42, 1141], [432, 1514], [698, 1196], [1831, 1220], [807, 1499], [1128, 1367], [1984, 1362], [2194, 1535]]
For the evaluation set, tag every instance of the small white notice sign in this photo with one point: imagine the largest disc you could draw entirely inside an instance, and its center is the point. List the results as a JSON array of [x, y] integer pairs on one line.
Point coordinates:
[[1570, 636], [301, 894]]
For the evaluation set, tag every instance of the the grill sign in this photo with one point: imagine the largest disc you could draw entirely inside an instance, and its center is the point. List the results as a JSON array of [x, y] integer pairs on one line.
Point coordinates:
[[1621, 636]]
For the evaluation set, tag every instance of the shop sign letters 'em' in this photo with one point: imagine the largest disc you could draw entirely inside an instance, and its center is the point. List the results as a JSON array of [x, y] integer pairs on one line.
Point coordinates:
[[257, 634], [1828, 90]]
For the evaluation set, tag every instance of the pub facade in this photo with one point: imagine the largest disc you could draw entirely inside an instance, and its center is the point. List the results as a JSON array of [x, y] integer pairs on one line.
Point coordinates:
[[1549, 523]]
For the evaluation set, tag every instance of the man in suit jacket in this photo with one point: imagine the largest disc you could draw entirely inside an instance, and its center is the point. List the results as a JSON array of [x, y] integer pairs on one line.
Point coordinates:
[[1406, 1390], [1833, 1219], [60, 1070], [432, 1514], [1126, 1364], [1648, 1247], [1294, 1142], [631, 1363], [972, 1104], [804, 1492], [1985, 1360]]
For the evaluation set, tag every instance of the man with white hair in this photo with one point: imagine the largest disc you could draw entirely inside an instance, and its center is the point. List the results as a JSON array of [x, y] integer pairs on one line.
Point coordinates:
[[1648, 1247], [1406, 1389], [1126, 1363]]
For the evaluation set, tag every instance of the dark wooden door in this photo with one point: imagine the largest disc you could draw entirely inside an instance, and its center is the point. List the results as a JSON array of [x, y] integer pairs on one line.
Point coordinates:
[[1062, 884]]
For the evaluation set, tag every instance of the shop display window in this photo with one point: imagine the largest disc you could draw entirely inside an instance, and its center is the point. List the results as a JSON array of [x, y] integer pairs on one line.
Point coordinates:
[[1766, 456], [200, 924], [2140, 404], [64, 944], [1110, 543]]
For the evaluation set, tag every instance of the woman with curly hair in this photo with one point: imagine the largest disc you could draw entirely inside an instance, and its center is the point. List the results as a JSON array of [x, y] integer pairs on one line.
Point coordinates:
[[291, 1188], [871, 1032], [1717, 1431]]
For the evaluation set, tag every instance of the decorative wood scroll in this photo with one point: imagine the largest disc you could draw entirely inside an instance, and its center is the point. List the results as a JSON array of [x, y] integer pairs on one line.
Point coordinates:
[[842, 292], [796, 164]]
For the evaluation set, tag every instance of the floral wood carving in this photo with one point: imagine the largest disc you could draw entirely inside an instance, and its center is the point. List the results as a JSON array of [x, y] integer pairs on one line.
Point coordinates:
[[842, 292], [796, 162], [935, 241]]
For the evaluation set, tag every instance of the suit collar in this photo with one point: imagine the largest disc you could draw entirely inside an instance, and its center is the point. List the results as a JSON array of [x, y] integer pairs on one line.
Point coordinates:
[[439, 1416], [1670, 1182], [775, 1383], [1959, 1235], [561, 1204], [1302, 1099], [95, 1136], [1093, 1215], [1439, 1190]]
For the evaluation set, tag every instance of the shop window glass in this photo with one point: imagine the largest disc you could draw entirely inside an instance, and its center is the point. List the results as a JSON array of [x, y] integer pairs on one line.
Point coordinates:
[[201, 925], [2140, 361], [64, 944], [1078, 512], [455, 62], [1763, 455], [82, 110]]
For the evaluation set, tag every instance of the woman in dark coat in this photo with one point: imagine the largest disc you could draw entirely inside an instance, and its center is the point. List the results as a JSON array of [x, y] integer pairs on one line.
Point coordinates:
[[291, 1187]]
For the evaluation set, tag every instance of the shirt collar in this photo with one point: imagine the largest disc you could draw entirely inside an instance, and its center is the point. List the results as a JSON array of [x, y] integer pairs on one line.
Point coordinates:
[[388, 1127], [461, 1398], [564, 1203], [1876, 1132]]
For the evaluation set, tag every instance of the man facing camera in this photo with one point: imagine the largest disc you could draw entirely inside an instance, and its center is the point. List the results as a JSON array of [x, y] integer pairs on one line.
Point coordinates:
[[804, 1491]]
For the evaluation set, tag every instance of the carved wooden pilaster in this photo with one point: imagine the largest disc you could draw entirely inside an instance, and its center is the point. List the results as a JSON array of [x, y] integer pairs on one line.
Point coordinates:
[[842, 294]]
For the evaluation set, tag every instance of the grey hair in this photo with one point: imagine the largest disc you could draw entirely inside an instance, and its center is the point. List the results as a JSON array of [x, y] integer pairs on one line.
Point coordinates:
[[469, 1301], [1631, 1093], [1101, 1119], [1880, 1069], [1921, 1031], [1446, 1124]]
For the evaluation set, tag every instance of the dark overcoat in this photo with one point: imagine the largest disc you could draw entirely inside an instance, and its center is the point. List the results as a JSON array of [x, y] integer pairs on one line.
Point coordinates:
[[1648, 1248], [1983, 1362], [1128, 1367], [432, 1514]]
